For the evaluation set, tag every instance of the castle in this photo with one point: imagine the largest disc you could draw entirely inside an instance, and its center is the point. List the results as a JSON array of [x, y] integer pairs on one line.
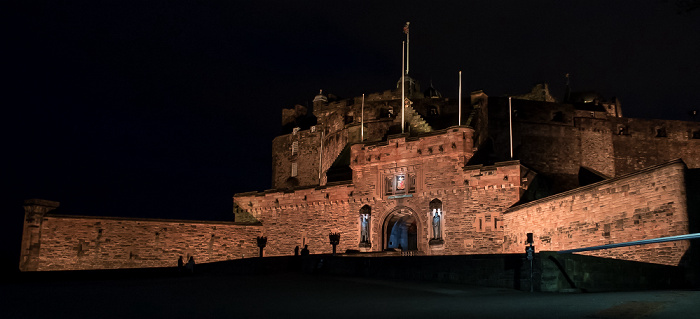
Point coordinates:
[[450, 178]]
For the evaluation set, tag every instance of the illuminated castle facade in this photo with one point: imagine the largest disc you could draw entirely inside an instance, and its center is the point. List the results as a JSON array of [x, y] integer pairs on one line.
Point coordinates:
[[573, 173]]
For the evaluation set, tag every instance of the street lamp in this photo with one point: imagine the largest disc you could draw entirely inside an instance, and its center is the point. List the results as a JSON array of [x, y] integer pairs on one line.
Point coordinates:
[[335, 240], [262, 242]]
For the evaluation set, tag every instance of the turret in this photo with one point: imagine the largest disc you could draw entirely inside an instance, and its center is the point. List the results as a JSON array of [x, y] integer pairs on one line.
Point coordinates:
[[34, 212]]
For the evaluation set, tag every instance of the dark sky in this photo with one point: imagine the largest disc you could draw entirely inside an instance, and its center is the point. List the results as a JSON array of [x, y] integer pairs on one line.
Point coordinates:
[[168, 108]]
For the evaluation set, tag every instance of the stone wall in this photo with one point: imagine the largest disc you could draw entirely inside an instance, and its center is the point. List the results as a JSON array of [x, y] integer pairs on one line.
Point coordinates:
[[473, 199], [641, 143], [336, 136], [553, 139], [306, 156], [556, 140], [81, 242], [574, 272], [559, 149], [551, 272], [304, 217], [647, 204]]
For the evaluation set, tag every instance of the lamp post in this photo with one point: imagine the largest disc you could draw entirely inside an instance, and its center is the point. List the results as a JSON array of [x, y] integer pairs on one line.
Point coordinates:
[[335, 240], [262, 242], [530, 254]]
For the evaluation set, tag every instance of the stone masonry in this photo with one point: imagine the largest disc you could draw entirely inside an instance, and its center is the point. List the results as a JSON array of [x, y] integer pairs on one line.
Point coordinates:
[[437, 188], [647, 204]]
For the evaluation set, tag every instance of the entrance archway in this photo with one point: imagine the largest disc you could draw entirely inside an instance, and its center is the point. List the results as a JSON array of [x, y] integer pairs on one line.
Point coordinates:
[[401, 230]]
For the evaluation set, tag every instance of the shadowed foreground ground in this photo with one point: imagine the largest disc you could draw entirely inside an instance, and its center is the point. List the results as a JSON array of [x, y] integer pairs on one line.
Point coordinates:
[[299, 295]]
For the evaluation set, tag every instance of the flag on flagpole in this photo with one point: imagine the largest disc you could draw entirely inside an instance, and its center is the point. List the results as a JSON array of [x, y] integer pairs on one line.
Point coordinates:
[[405, 28]]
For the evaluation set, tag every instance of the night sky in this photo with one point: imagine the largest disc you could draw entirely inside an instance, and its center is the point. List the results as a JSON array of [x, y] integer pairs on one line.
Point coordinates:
[[168, 108]]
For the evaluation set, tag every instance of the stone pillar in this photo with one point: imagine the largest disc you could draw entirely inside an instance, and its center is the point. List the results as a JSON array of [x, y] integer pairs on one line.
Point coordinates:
[[34, 211]]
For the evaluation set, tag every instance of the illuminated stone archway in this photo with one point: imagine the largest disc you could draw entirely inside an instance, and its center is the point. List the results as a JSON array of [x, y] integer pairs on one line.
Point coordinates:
[[400, 229]]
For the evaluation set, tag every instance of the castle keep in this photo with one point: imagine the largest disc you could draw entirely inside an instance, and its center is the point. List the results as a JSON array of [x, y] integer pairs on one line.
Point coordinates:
[[580, 175]]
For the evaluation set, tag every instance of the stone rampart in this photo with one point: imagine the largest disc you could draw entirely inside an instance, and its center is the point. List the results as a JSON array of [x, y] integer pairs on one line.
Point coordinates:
[[305, 217], [81, 242], [647, 204], [640, 143]]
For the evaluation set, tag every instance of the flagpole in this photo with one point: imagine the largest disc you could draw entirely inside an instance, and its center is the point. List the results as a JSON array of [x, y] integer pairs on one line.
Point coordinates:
[[459, 121], [403, 83], [408, 47], [510, 125], [362, 120]]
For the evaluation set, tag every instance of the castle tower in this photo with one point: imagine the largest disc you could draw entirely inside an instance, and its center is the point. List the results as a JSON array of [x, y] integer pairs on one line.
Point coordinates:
[[34, 212]]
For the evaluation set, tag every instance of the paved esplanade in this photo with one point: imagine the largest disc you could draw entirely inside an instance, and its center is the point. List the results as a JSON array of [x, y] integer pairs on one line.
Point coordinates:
[[297, 295]]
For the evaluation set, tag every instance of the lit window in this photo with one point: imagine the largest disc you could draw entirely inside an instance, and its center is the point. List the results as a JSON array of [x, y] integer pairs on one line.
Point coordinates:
[[294, 169]]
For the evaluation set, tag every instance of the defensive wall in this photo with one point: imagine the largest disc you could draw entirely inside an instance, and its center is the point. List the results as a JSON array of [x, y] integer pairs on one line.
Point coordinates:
[[473, 199], [552, 139], [647, 204], [62, 242], [552, 272], [338, 127], [556, 140], [640, 143], [305, 217]]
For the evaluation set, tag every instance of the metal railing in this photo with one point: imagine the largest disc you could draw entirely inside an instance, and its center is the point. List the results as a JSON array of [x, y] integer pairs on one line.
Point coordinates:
[[632, 243]]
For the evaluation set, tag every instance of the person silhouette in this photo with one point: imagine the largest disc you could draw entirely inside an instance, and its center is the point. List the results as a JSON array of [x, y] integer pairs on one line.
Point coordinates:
[[180, 264], [296, 251], [190, 265], [305, 251]]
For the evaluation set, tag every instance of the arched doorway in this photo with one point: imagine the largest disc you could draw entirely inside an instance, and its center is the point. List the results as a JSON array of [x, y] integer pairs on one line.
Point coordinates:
[[401, 230]]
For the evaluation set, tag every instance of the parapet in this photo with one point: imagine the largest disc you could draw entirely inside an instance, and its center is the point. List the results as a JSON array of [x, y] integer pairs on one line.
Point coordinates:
[[39, 206]]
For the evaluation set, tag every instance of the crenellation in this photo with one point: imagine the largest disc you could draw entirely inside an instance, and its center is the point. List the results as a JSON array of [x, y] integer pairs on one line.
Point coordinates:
[[580, 175]]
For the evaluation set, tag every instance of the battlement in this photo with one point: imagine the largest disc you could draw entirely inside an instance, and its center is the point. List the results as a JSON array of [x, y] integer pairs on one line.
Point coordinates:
[[646, 204], [454, 141], [499, 175], [414, 190]]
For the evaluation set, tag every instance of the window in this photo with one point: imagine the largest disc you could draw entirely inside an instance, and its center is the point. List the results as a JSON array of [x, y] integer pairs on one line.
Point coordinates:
[[295, 147], [660, 131], [432, 111], [622, 130], [558, 116], [294, 169], [295, 131], [313, 129]]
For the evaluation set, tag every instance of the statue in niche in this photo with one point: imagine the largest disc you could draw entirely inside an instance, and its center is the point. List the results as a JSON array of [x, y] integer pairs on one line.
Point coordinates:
[[436, 223], [364, 230]]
